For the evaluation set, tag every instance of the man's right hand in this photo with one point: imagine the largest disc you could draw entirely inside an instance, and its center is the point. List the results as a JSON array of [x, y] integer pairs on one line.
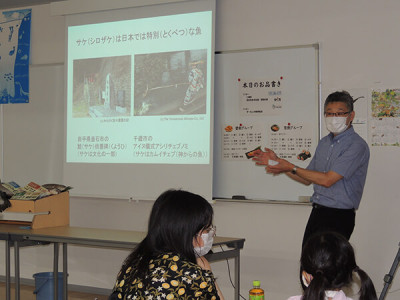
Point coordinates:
[[262, 158]]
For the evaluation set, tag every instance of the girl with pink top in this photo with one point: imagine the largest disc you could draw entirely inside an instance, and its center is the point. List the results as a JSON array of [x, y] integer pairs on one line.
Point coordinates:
[[327, 265]]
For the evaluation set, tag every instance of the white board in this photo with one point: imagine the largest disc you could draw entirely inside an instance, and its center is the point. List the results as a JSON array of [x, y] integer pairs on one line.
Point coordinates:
[[297, 68]]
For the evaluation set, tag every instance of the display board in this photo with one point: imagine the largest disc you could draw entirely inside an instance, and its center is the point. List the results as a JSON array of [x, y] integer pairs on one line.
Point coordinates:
[[265, 98]]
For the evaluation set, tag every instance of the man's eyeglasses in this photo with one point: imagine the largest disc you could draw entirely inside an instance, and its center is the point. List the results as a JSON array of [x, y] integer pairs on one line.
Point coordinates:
[[336, 114]]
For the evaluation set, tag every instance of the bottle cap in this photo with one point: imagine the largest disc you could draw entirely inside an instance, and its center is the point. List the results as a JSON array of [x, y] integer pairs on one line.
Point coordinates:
[[256, 283]]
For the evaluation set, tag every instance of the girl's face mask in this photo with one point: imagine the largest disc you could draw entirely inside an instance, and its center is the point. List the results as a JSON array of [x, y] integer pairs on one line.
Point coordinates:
[[208, 240], [303, 278]]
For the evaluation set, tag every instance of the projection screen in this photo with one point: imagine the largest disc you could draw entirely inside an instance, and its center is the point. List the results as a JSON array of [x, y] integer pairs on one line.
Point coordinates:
[[139, 101]]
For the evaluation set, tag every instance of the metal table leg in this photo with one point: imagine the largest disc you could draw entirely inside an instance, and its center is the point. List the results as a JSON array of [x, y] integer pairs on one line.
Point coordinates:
[[8, 271], [55, 270], [237, 276], [65, 271], [16, 258]]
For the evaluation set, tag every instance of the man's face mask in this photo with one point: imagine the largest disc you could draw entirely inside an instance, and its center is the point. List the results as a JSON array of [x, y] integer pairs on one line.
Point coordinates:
[[336, 125]]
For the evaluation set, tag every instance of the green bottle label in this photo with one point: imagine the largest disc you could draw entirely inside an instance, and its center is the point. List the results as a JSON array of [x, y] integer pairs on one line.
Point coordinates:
[[256, 297]]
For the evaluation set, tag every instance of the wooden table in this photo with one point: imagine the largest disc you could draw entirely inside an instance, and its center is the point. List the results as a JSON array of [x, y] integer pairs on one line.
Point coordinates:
[[17, 236]]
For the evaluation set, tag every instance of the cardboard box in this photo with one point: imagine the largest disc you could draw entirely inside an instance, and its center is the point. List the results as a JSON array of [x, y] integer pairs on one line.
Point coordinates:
[[50, 211]]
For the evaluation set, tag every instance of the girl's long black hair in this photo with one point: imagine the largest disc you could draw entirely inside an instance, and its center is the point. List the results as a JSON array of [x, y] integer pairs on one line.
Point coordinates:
[[176, 218], [330, 259]]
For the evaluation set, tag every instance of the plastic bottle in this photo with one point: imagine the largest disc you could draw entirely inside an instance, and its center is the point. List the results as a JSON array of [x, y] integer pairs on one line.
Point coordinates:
[[256, 293]]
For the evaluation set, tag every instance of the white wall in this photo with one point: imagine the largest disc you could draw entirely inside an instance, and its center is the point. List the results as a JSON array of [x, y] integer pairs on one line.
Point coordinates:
[[359, 47]]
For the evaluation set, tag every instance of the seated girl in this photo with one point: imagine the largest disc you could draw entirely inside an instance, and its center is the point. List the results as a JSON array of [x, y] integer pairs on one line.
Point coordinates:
[[169, 262], [327, 265]]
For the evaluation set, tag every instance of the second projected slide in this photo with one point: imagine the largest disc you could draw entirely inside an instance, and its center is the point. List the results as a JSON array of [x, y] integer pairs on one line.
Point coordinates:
[[139, 91]]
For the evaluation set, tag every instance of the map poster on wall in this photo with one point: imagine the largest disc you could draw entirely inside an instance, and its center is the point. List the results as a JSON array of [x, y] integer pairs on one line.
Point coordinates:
[[15, 32], [291, 141], [385, 118], [261, 96]]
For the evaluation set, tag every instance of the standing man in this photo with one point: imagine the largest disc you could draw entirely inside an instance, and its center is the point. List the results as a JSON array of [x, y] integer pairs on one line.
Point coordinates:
[[337, 170]]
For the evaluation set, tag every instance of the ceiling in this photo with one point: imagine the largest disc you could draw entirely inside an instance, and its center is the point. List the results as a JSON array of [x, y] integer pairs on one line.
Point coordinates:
[[8, 4]]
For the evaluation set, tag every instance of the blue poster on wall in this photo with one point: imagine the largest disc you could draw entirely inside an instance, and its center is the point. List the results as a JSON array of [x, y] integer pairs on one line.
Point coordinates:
[[15, 36]]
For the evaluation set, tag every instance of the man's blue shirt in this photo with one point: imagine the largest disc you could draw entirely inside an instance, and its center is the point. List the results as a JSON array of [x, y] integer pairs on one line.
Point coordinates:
[[348, 155]]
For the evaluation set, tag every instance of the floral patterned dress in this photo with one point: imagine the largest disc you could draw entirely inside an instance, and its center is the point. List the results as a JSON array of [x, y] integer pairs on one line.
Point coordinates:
[[170, 277]]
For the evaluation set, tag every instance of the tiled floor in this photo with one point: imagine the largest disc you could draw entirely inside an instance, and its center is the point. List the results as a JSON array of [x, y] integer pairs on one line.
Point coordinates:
[[26, 293]]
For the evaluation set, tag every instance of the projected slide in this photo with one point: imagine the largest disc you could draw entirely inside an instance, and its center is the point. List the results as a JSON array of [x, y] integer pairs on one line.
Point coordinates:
[[139, 91]]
